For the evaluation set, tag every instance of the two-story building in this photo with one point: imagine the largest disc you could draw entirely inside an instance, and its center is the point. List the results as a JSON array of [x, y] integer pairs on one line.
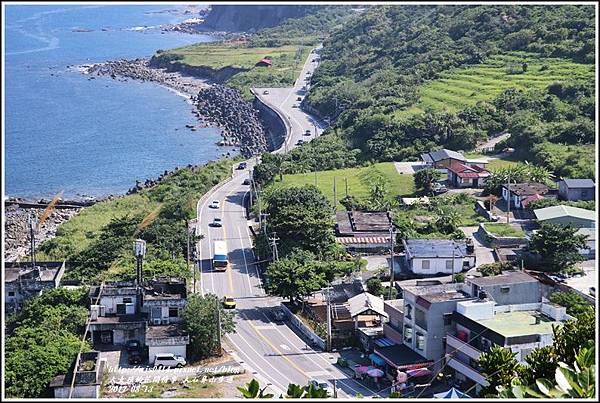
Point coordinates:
[[517, 194], [434, 256], [508, 288], [480, 324], [22, 281], [163, 300]]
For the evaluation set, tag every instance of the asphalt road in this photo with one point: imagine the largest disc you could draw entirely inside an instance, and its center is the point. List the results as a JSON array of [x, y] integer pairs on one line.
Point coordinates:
[[271, 351]]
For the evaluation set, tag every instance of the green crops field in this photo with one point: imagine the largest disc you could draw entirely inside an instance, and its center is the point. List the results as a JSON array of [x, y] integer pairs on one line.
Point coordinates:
[[358, 179], [465, 86], [287, 63]]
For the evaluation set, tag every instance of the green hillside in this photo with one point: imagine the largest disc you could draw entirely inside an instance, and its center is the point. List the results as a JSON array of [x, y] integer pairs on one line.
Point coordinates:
[[462, 87]]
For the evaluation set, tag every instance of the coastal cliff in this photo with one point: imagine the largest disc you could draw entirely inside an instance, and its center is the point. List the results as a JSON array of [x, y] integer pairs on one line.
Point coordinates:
[[238, 18]]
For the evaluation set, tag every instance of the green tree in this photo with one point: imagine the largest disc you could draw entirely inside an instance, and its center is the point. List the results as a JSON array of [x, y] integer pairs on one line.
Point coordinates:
[[200, 317], [302, 218], [541, 363], [289, 278], [252, 390], [307, 392], [425, 178], [573, 334], [499, 367], [574, 302], [558, 246]]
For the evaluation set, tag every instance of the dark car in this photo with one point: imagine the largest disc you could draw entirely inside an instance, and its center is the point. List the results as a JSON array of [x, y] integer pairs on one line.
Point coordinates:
[[242, 165], [246, 182], [133, 345], [299, 99], [135, 358]]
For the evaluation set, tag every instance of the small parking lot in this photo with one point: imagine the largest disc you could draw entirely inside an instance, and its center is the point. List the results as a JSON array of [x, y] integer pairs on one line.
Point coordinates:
[[408, 167]]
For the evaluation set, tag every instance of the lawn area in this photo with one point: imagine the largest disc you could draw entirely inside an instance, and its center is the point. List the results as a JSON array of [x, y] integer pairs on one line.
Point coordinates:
[[287, 62], [504, 230], [358, 180], [496, 163], [465, 86]]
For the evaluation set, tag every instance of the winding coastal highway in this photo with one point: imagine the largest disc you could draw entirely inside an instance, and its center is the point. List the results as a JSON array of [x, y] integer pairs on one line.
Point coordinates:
[[271, 351]]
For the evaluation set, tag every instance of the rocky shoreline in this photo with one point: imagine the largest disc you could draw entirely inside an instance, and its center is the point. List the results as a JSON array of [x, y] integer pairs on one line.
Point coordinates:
[[16, 229], [216, 105]]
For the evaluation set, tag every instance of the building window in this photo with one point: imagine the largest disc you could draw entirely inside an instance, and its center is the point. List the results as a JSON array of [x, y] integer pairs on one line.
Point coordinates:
[[447, 319], [127, 300], [408, 311], [504, 290], [449, 264], [420, 319], [425, 264], [173, 312], [420, 342], [11, 293], [408, 332]]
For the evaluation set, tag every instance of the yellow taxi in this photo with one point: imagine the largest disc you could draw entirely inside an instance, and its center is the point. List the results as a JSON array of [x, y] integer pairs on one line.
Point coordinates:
[[228, 302]]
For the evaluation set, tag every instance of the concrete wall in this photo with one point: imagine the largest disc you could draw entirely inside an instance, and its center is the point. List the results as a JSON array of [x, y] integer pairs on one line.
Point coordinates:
[[498, 241], [273, 123], [177, 350], [305, 330], [523, 293], [79, 391], [110, 302], [436, 265]]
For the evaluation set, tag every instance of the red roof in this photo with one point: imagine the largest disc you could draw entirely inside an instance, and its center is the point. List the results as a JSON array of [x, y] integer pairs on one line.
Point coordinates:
[[531, 198], [464, 171], [363, 240]]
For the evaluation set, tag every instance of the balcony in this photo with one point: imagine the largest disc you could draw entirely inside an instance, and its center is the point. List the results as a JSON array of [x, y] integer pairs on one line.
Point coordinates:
[[454, 343], [466, 370]]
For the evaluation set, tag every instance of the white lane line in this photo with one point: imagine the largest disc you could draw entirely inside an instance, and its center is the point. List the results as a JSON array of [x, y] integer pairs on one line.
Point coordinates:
[[342, 380], [245, 262]]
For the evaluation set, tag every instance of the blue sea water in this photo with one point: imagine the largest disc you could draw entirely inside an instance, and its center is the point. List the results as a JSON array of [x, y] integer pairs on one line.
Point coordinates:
[[64, 132]]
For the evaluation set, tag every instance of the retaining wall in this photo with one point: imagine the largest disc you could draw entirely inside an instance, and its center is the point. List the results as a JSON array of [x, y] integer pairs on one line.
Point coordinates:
[[302, 328], [495, 241]]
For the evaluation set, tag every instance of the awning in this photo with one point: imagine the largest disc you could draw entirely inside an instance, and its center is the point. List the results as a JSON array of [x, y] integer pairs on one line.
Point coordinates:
[[412, 373], [377, 360], [453, 393], [401, 357], [383, 342]]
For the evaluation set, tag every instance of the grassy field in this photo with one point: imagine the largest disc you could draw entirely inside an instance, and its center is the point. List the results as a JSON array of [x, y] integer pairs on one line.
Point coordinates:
[[496, 163], [465, 86], [287, 62], [358, 180], [504, 230]]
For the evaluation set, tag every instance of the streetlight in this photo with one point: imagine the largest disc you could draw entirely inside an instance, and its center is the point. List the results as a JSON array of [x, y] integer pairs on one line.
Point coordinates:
[[139, 250]]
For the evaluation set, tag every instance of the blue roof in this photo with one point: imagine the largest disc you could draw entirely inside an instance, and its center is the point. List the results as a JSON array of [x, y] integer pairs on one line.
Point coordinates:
[[442, 154], [384, 342], [430, 248], [376, 359], [579, 183]]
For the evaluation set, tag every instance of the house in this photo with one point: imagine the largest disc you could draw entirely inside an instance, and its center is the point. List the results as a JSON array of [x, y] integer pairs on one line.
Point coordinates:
[[461, 175], [367, 232], [433, 256], [166, 339], [566, 215], [115, 315], [88, 378], [22, 281], [480, 324], [577, 189], [442, 158], [264, 62], [427, 317], [510, 287], [164, 300], [516, 193], [368, 313]]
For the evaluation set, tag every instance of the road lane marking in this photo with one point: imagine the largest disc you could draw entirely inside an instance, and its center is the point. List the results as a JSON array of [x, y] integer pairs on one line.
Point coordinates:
[[229, 276]]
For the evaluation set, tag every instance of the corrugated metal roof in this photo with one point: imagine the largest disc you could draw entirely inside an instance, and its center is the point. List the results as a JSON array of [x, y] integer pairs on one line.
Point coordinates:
[[553, 212], [435, 248], [579, 183]]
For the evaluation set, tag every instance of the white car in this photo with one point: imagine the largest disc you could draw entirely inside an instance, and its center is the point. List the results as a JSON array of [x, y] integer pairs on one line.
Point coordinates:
[[217, 222], [215, 204], [169, 360], [321, 384]]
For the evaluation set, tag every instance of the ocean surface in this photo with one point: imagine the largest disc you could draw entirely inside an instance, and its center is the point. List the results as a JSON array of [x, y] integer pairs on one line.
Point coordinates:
[[65, 132]]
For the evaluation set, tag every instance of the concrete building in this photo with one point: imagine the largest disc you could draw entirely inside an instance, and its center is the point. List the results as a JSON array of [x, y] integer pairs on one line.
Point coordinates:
[[508, 288], [393, 328], [433, 256], [166, 339], [519, 192], [88, 378], [22, 282], [566, 215], [367, 232], [427, 317], [164, 300], [577, 189], [480, 324]]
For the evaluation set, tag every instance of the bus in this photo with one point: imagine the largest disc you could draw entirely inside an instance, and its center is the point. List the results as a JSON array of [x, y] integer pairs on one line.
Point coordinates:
[[220, 256]]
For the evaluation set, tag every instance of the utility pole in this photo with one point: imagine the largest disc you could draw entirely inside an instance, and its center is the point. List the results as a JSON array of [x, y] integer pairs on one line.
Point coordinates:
[[392, 235], [328, 318], [218, 315], [273, 240], [346, 180], [508, 192], [334, 196], [32, 235]]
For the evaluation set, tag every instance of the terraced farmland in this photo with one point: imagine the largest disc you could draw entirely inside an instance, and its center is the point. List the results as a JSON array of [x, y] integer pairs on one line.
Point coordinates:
[[465, 86]]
